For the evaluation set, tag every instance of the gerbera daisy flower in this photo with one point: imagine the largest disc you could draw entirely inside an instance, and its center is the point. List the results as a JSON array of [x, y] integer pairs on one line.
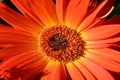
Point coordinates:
[[66, 40]]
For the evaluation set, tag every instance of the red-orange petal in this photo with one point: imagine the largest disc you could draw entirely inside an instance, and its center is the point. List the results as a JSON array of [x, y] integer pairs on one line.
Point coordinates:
[[74, 72], [32, 66], [90, 18], [111, 40], [96, 70], [17, 59], [104, 11], [8, 52], [104, 61], [97, 46], [60, 9], [102, 43], [16, 20], [85, 71], [28, 7], [39, 9], [4, 28], [76, 11], [15, 38], [26, 10], [11, 37], [101, 32], [107, 52], [54, 71], [35, 68], [50, 8]]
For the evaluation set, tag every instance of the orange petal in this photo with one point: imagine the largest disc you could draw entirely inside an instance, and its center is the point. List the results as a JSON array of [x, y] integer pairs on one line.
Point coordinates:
[[76, 11], [104, 12], [111, 40], [54, 71], [101, 32], [50, 9], [40, 11], [102, 43], [4, 28], [10, 36], [96, 70], [60, 9], [84, 70], [17, 59], [13, 74], [107, 52], [17, 44], [35, 68], [90, 18], [97, 46], [26, 11], [98, 21], [94, 24], [16, 20], [15, 38], [14, 50], [104, 61], [74, 72]]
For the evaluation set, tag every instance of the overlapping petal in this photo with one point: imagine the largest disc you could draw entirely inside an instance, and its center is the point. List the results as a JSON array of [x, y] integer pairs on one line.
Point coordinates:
[[96, 69], [16, 20], [85, 71], [41, 14], [11, 37], [54, 71], [74, 72], [109, 53], [93, 16], [61, 6], [75, 14], [102, 43], [101, 32]]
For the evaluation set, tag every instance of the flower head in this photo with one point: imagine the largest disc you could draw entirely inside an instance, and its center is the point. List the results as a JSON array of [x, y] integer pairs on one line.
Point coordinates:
[[69, 40]]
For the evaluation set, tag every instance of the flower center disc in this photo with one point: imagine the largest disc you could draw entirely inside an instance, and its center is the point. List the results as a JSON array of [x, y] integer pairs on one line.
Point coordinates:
[[58, 42], [62, 43]]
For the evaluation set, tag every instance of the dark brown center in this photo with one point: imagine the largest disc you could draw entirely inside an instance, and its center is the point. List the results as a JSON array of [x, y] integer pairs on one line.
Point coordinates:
[[62, 44], [58, 42]]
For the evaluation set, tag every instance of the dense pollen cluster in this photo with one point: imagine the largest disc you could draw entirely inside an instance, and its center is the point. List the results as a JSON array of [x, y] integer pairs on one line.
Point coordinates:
[[62, 43]]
